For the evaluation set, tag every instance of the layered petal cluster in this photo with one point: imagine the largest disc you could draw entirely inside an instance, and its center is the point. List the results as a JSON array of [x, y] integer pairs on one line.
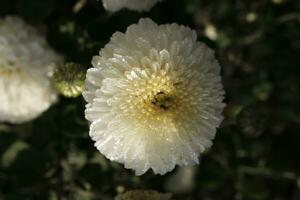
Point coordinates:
[[138, 5], [26, 62], [154, 97]]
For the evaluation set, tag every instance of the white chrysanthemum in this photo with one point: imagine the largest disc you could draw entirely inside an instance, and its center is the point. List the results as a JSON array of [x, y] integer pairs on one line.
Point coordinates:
[[25, 64], [154, 97], [138, 5]]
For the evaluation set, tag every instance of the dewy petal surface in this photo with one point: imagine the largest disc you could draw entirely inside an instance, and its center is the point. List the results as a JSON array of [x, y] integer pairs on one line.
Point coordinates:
[[26, 61], [154, 97]]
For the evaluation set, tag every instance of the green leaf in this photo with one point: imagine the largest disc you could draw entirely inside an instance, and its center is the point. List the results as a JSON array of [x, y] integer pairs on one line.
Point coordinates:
[[12, 152]]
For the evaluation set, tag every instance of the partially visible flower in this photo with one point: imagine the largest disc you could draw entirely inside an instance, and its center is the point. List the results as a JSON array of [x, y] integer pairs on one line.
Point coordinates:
[[26, 62], [69, 79], [138, 5], [143, 195], [211, 32], [154, 97], [183, 181]]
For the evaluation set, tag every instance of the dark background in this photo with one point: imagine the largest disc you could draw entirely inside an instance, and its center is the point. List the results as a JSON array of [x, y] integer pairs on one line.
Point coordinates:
[[256, 154]]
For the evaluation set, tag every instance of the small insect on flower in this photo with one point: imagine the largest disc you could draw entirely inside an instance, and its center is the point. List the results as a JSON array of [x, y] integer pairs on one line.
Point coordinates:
[[26, 62], [138, 5], [155, 97]]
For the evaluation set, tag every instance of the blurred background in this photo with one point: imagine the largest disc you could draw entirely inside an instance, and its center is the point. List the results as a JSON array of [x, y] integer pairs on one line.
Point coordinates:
[[256, 153]]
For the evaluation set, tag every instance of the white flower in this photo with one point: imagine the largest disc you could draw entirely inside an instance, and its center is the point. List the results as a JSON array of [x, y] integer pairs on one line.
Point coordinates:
[[138, 5], [154, 97], [25, 64]]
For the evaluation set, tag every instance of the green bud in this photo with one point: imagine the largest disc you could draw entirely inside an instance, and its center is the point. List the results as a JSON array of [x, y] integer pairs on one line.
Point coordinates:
[[68, 80]]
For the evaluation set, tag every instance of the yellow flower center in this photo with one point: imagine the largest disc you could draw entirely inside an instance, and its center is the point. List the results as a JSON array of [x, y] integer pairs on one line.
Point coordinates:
[[157, 99], [152, 101]]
